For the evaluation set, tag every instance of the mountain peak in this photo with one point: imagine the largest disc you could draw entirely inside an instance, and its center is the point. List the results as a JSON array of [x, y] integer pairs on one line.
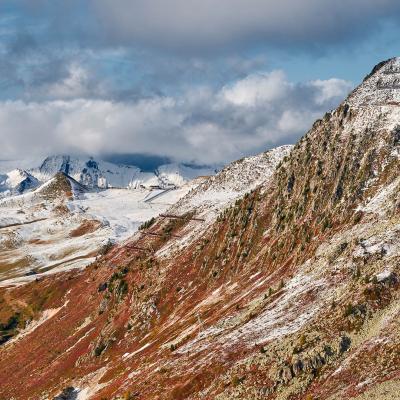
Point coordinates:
[[17, 181], [61, 185], [380, 88]]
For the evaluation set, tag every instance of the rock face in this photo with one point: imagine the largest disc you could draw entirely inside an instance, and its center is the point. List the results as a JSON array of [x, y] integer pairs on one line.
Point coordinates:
[[290, 292]]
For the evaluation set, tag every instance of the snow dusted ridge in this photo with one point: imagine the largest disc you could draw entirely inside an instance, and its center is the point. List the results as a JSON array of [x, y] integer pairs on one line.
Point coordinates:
[[95, 174], [238, 178], [218, 192], [380, 88], [17, 181]]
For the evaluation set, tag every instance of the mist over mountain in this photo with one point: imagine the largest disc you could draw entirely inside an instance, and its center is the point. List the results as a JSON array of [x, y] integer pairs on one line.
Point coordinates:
[[146, 163]]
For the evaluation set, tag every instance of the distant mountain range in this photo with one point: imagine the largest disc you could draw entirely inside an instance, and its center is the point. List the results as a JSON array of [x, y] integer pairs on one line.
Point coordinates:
[[94, 174]]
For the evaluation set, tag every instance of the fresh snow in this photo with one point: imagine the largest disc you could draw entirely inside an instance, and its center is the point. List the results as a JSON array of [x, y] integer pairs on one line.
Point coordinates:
[[34, 236], [96, 173], [125, 210], [220, 191], [381, 201], [16, 181]]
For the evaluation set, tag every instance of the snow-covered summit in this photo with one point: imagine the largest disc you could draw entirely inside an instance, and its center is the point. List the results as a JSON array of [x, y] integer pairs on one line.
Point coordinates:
[[231, 183], [17, 181], [95, 174], [380, 88], [87, 171]]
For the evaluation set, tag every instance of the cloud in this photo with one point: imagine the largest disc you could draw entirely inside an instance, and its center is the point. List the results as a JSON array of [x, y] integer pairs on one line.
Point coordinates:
[[204, 125], [148, 47], [257, 88], [76, 82], [191, 24], [329, 89]]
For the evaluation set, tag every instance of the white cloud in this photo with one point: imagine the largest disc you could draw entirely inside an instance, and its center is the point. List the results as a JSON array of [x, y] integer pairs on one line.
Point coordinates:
[[330, 88], [294, 121], [257, 88], [201, 125]]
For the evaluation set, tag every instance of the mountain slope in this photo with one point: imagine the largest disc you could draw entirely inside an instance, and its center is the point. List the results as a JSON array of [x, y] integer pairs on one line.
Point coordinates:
[[292, 292], [217, 193]]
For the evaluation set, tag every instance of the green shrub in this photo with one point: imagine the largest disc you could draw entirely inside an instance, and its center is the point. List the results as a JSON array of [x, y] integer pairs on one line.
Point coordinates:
[[147, 224], [99, 349]]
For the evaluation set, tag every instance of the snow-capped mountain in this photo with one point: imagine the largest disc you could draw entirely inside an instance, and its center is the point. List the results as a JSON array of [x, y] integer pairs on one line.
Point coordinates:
[[17, 181], [88, 171], [96, 174], [177, 174]]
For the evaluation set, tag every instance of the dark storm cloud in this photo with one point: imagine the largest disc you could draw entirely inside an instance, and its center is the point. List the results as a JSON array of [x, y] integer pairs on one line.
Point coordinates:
[[167, 43], [21, 44], [191, 25], [208, 23]]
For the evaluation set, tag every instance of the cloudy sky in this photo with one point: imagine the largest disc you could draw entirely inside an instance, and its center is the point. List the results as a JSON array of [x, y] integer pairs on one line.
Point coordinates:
[[204, 81]]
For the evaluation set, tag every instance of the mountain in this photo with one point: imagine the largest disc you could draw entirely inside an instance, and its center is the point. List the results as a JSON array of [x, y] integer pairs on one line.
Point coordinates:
[[89, 172], [62, 225], [98, 174], [63, 201], [232, 182], [288, 290], [60, 185], [217, 193], [178, 174], [16, 182]]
